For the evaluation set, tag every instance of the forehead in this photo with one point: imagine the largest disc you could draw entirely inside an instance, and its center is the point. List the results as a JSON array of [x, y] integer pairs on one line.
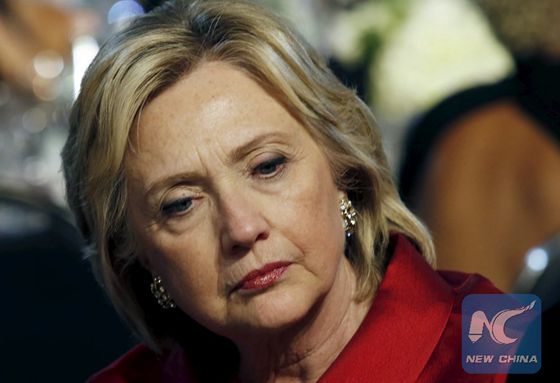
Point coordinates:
[[200, 103], [217, 106]]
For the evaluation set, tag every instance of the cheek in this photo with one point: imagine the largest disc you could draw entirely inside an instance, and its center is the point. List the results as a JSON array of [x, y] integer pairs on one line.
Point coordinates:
[[315, 221], [189, 270]]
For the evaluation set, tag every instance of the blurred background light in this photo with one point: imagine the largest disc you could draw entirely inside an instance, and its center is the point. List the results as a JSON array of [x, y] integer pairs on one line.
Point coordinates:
[[537, 259], [84, 49], [48, 64], [123, 11], [34, 120], [46, 90]]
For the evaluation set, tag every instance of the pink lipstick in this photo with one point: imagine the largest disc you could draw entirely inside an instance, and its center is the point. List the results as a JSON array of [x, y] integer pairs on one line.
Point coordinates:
[[264, 277]]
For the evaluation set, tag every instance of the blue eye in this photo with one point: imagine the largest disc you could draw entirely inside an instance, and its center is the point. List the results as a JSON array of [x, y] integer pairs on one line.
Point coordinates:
[[270, 168], [177, 207]]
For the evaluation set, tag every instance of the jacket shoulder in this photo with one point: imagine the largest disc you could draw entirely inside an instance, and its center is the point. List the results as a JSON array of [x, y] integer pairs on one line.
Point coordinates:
[[465, 283], [445, 362], [138, 365]]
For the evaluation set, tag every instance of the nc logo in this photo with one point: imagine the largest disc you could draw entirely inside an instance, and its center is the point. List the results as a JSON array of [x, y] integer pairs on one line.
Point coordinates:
[[496, 327]]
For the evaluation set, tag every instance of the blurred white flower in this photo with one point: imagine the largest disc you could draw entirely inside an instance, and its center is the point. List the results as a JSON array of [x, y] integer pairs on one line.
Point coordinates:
[[349, 28], [444, 46]]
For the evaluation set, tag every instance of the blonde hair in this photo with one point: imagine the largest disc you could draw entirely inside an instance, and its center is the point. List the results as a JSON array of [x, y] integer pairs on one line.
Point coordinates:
[[152, 54]]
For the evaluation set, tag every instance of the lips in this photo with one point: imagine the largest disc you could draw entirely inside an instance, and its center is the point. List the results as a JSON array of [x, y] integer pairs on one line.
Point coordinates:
[[264, 277]]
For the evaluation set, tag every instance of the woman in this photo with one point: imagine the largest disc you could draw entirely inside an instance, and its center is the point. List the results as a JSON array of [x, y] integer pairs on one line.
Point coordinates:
[[241, 214]]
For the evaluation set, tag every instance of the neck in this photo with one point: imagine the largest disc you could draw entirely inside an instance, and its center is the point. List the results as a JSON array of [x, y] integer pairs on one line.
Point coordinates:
[[302, 353]]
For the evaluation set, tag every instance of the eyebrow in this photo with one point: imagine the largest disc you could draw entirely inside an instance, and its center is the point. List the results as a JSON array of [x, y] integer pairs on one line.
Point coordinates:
[[243, 150], [235, 155]]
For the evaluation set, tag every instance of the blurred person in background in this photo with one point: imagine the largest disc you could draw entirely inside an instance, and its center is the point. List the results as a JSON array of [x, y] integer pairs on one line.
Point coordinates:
[[482, 168]]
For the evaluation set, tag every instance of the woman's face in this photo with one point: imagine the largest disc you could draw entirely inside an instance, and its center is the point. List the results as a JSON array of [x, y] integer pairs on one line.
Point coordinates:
[[233, 204]]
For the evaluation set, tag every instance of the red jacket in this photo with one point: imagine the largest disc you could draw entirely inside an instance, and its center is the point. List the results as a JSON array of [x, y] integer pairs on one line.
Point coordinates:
[[412, 333]]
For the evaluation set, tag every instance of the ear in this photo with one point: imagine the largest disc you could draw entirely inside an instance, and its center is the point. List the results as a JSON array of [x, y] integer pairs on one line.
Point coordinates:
[[342, 194]]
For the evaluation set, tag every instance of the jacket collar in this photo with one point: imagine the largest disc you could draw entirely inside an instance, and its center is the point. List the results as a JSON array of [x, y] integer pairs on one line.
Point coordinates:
[[405, 323]]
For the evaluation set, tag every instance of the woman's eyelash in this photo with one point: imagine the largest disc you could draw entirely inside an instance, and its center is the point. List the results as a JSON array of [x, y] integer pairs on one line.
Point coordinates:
[[270, 168], [177, 207]]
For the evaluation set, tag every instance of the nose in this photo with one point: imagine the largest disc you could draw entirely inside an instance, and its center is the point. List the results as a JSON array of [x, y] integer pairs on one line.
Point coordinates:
[[242, 223]]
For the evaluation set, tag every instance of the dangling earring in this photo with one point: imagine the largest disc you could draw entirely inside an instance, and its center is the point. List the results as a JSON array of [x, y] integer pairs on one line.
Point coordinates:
[[349, 216], [163, 298]]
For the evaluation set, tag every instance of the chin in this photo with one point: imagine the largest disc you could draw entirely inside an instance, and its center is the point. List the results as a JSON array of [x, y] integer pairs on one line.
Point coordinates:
[[278, 309]]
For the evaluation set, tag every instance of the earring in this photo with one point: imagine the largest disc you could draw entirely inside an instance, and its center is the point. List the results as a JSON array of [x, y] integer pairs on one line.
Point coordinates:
[[349, 216], [163, 298]]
